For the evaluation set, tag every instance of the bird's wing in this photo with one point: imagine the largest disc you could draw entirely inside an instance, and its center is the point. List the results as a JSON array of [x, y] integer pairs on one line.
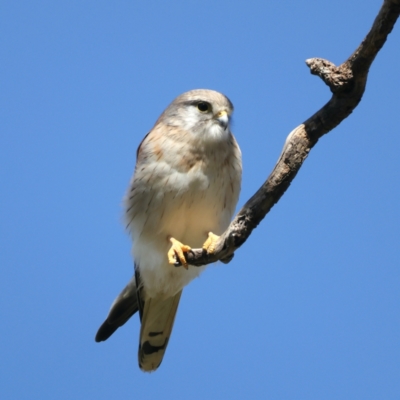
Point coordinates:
[[123, 307], [157, 316]]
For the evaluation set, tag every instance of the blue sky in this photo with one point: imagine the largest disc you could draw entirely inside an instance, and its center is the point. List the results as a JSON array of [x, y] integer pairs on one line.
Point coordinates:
[[308, 308]]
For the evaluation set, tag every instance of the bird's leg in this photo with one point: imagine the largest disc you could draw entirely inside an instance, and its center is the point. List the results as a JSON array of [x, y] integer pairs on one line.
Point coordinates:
[[176, 252], [209, 244]]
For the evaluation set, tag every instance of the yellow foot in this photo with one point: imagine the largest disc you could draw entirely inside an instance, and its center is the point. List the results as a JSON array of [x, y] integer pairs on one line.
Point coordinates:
[[209, 244], [176, 252]]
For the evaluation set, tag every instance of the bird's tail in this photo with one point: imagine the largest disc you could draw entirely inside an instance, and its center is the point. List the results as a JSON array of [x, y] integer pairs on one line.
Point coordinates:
[[157, 322]]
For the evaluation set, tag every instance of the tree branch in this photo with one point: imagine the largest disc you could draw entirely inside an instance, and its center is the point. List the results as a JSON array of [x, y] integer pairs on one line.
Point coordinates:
[[347, 83]]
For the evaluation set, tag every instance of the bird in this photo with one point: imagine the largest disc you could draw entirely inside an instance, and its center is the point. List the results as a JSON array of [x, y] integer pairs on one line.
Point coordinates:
[[182, 195]]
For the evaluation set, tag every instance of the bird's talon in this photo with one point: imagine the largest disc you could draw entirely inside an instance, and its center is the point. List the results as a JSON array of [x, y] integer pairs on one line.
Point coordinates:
[[210, 244], [176, 253]]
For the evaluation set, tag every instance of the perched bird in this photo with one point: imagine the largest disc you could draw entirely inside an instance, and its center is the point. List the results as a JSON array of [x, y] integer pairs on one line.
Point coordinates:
[[182, 195]]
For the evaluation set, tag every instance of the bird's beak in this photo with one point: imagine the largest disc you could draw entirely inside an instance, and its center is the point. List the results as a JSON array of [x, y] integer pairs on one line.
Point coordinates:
[[223, 118]]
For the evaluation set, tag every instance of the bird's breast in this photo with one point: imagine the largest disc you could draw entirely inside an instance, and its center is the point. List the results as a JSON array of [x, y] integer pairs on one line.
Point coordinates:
[[184, 197]]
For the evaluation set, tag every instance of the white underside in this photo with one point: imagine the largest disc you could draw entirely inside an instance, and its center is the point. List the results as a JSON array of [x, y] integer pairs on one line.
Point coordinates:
[[188, 218]]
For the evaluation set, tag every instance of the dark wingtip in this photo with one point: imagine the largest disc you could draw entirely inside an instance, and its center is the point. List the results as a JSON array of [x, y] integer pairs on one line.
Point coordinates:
[[105, 331], [117, 317], [124, 306]]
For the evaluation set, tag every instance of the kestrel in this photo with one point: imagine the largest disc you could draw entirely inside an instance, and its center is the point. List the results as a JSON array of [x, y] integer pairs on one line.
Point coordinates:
[[182, 195]]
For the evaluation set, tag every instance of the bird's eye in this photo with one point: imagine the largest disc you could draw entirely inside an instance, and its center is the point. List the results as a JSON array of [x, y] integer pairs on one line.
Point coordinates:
[[203, 106]]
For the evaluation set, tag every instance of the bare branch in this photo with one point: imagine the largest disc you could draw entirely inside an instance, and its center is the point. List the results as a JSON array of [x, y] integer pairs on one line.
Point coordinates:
[[347, 83]]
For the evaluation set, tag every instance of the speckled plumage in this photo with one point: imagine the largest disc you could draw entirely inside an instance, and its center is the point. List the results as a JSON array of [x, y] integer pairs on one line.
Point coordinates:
[[186, 183]]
